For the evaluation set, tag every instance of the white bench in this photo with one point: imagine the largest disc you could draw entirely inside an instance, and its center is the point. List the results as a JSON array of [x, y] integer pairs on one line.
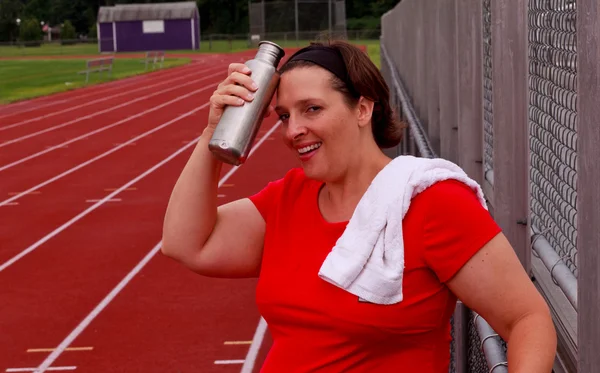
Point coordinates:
[[154, 57], [97, 65]]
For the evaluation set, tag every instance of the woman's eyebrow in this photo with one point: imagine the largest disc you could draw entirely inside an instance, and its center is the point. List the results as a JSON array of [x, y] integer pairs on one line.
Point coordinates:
[[302, 102]]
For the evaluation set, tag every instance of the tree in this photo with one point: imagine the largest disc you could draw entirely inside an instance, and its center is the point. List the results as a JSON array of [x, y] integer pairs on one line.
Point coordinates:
[[76, 11], [93, 34], [10, 10], [68, 31], [39, 9], [31, 30], [217, 16]]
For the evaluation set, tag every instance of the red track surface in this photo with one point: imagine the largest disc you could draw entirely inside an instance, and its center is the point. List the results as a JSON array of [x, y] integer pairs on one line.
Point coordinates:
[[61, 255]]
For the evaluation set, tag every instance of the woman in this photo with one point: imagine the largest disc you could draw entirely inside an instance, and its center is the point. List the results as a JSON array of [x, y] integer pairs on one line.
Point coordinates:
[[335, 113]]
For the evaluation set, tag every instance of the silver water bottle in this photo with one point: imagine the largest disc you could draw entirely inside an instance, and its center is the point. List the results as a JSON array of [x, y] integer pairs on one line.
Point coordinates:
[[235, 133]]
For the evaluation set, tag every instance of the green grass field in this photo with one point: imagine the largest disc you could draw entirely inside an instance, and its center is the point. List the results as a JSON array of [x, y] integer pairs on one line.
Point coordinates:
[[49, 49], [223, 46], [22, 79], [206, 46], [373, 49]]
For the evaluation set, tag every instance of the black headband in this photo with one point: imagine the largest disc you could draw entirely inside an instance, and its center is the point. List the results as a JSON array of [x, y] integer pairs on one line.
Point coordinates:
[[329, 59]]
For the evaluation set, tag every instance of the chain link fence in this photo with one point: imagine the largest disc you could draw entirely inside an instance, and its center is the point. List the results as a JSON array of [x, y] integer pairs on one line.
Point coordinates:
[[552, 114], [296, 17], [488, 99], [507, 109], [416, 142], [476, 358]]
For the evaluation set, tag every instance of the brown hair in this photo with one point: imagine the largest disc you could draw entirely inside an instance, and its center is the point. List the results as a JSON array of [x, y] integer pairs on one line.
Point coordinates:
[[367, 82]]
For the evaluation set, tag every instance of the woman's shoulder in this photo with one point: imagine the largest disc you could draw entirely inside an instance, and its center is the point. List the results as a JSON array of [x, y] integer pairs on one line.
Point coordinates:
[[290, 186], [451, 208], [449, 190], [455, 226], [447, 200]]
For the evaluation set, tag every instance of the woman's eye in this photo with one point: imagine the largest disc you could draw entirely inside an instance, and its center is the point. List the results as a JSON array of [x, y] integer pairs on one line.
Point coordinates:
[[314, 108], [284, 117]]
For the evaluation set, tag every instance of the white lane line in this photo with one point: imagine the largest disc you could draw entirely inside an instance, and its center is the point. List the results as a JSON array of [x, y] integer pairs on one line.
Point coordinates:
[[95, 89], [120, 85], [17, 104], [114, 87], [113, 194], [14, 370], [110, 86], [16, 193], [228, 362], [259, 334], [112, 108], [144, 88], [98, 200], [102, 129], [31, 108], [90, 161], [73, 349], [8, 107], [44, 366], [89, 209]]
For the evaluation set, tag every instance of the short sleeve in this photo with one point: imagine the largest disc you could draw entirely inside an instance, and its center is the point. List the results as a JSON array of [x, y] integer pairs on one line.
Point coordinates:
[[267, 199], [456, 227]]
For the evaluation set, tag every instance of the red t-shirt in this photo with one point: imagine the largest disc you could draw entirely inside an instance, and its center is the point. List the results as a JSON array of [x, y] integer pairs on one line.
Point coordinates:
[[318, 327]]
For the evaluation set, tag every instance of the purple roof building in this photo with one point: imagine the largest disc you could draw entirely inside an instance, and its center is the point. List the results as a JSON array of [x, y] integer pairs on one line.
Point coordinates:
[[148, 27]]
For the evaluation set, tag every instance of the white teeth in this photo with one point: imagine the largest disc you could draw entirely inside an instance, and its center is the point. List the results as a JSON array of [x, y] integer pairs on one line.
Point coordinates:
[[306, 149]]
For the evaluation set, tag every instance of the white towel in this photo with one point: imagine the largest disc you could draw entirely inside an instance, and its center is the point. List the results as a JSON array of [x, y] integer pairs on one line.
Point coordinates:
[[368, 259]]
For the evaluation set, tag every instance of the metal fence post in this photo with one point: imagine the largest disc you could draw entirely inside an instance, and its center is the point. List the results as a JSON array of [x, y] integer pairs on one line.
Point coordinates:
[[432, 98], [469, 45], [510, 104], [461, 342], [588, 188], [447, 76], [418, 89]]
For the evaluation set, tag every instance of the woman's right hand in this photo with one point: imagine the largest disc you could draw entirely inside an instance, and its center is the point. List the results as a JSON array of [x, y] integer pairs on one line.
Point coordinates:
[[235, 90]]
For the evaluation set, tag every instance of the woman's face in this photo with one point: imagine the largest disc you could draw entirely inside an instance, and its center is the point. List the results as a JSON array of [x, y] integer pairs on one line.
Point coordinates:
[[318, 125]]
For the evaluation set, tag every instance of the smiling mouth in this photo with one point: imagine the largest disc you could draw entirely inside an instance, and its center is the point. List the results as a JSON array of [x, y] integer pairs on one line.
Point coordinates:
[[308, 149]]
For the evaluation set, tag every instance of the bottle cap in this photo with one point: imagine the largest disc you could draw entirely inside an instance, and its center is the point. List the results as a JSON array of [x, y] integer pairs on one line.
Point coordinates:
[[270, 52]]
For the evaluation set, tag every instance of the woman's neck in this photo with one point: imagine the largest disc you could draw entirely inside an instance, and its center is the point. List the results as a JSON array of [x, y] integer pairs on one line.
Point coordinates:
[[339, 199]]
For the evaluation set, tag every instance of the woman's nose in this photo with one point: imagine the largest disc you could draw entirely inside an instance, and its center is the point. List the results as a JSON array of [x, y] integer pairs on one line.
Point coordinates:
[[295, 130]]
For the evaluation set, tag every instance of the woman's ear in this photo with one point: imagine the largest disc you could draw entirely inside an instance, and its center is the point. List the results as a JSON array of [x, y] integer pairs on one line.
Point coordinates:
[[364, 111]]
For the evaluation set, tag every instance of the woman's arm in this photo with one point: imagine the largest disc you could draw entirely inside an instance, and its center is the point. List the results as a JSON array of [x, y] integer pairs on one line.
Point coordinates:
[[212, 240], [221, 241], [467, 251], [494, 284]]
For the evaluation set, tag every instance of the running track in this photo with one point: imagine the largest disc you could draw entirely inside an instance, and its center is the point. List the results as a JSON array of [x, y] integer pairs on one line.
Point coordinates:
[[85, 178]]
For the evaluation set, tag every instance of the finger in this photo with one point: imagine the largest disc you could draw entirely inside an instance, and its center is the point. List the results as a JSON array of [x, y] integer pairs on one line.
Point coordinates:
[[220, 101], [243, 80], [238, 67], [235, 90]]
